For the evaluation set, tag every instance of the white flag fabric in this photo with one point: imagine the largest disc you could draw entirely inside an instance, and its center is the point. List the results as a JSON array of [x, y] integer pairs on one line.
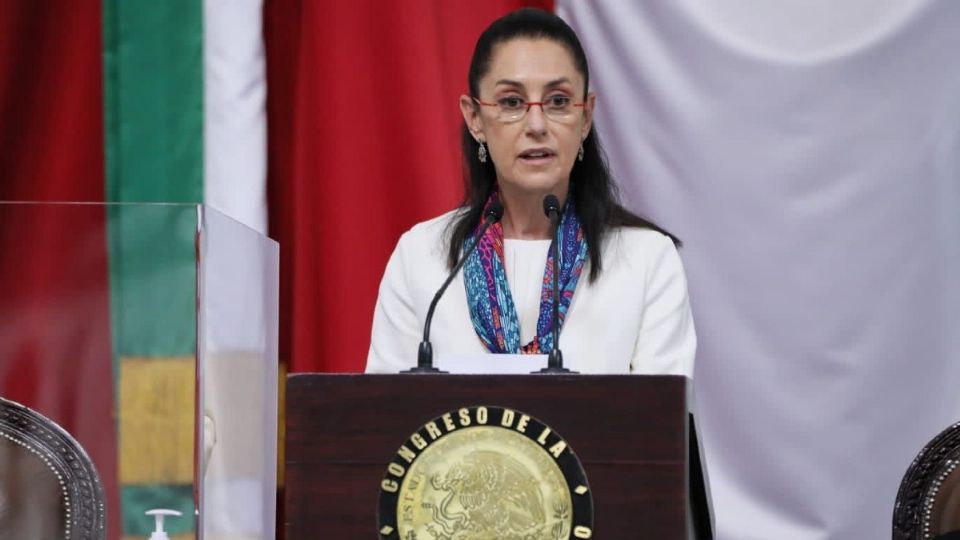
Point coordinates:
[[808, 154], [235, 125]]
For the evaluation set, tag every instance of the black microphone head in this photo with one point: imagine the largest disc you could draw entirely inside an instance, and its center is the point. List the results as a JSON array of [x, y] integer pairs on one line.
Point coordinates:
[[494, 212], [551, 205]]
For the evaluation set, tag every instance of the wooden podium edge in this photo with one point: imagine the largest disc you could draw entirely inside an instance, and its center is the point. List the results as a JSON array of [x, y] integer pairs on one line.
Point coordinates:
[[701, 509]]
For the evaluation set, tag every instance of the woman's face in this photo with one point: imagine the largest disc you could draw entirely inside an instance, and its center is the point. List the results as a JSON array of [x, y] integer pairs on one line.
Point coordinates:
[[536, 153]]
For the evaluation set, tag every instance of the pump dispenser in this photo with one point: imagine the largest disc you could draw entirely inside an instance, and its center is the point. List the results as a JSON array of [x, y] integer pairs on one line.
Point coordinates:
[[158, 514]]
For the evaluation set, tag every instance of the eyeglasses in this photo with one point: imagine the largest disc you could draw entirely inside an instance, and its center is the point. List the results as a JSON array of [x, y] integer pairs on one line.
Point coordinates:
[[558, 107]]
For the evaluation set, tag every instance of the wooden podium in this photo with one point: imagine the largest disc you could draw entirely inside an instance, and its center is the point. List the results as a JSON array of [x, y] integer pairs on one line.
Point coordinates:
[[632, 434]]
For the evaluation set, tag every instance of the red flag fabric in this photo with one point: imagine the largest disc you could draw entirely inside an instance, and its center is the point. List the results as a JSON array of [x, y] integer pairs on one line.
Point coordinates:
[[55, 348], [51, 101], [363, 142]]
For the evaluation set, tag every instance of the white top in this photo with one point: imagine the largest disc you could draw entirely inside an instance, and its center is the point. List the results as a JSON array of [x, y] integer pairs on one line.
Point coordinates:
[[634, 319]]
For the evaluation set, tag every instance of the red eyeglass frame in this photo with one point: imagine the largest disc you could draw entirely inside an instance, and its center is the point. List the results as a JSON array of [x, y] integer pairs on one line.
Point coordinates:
[[529, 104]]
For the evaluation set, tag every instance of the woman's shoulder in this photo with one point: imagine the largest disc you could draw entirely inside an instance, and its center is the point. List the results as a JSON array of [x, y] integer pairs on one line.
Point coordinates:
[[429, 236], [434, 226], [642, 260], [630, 252], [639, 242]]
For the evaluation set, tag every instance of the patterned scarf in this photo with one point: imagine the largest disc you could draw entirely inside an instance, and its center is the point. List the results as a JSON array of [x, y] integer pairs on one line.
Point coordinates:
[[488, 294]]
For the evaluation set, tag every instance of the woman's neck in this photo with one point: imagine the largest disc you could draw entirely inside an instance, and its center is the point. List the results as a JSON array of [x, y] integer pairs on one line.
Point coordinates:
[[523, 217]]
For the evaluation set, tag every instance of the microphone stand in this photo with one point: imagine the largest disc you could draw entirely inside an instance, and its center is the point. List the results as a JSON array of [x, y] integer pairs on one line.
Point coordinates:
[[551, 207]]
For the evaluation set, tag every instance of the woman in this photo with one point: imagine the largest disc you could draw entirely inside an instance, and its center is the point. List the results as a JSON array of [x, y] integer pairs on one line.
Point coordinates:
[[528, 132]]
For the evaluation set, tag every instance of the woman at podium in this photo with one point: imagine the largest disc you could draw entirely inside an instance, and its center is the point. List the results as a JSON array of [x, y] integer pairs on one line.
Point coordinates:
[[528, 133]]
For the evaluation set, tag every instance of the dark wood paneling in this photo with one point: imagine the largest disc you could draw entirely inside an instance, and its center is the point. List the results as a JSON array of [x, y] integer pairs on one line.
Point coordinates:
[[630, 433]]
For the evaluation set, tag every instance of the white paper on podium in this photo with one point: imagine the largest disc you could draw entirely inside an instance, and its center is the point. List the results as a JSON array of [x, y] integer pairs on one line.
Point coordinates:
[[487, 364]]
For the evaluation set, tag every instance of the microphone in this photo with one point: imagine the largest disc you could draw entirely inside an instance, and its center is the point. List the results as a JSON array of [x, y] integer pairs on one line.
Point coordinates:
[[425, 353], [551, 207]]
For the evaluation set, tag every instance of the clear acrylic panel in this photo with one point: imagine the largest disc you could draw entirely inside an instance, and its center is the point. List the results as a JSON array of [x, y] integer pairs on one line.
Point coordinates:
[[238, 368], [105, 310], [98, 333]]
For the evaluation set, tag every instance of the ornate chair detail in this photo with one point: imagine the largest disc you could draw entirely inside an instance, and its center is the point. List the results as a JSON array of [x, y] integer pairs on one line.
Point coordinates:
[[928, 503], [49, 488]]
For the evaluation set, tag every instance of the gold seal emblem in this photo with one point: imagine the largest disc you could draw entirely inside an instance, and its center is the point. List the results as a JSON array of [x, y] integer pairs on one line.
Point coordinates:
[[485, 473]]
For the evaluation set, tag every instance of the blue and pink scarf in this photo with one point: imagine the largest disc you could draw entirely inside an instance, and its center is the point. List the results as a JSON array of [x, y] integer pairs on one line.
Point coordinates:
[[488, 294]]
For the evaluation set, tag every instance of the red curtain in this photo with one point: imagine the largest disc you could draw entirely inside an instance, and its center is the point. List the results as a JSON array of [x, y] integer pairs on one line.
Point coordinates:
[[55, 350], [51, 101], [363, 142]]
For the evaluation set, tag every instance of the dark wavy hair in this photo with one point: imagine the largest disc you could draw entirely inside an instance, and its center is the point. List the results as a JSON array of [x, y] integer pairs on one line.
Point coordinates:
[[593, 190]]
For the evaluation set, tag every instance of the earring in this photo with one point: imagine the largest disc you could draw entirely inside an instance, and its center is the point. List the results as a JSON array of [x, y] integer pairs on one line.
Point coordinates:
[[580, 153], [482, 153]]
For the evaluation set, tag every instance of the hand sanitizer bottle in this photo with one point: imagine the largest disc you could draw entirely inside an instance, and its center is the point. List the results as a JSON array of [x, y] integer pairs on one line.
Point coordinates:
[[158, 514]]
